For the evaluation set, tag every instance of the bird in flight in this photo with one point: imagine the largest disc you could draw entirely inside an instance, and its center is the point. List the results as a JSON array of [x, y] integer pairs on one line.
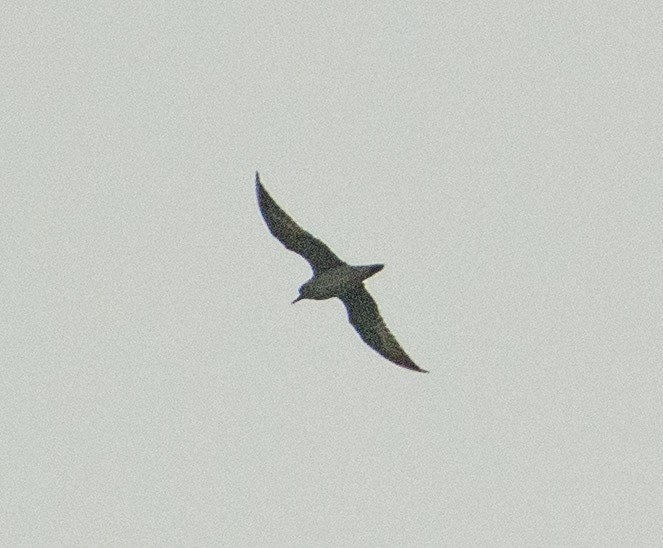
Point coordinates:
[[334, 278]]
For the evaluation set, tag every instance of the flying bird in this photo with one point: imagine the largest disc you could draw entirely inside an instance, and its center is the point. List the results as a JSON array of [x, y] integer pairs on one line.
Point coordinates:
[[334, 278]]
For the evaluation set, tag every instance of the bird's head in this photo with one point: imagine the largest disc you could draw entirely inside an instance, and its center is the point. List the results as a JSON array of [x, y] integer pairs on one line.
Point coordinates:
[[303, 293]]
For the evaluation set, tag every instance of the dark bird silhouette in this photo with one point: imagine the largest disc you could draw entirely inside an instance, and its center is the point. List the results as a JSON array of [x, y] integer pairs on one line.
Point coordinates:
[[334, 278]]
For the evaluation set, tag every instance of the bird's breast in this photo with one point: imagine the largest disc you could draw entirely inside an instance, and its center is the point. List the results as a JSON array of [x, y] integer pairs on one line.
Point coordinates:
[[333, 282]]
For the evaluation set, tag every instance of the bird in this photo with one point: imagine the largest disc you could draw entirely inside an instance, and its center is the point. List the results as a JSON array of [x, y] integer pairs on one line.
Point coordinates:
[[332, 277]]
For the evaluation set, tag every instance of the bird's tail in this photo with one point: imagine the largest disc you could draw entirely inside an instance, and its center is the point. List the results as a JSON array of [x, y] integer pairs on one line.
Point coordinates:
[[373, 269]]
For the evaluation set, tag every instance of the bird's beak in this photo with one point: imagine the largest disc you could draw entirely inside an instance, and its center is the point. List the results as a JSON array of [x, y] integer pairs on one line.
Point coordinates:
[[297, 299]]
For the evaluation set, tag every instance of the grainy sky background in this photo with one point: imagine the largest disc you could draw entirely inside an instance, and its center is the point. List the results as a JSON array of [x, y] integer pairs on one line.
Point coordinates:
[[504, 160]]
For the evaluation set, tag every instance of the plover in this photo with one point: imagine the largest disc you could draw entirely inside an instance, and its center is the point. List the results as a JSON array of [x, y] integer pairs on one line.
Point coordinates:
[[334, 278]]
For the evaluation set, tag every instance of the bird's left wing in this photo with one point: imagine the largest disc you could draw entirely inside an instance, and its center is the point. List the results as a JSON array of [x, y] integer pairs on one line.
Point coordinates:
[[292, 236], [365, 317]]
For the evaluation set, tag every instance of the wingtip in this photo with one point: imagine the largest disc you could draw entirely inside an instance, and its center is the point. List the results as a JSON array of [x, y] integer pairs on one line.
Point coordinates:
[[260, 189], [408, 363]]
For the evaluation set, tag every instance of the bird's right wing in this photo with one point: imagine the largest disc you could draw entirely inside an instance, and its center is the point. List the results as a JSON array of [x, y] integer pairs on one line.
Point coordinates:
[[292, 236], [365, 317]]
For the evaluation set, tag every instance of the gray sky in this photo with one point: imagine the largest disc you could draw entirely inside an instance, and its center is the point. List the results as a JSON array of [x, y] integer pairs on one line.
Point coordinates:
[[502, 159]]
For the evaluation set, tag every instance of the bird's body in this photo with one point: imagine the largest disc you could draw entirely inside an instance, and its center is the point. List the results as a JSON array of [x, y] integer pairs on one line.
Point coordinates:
[[337, 281], [334, 278]]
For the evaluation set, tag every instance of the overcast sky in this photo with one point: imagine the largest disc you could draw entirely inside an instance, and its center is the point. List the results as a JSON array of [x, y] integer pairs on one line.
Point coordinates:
[[503, 160]]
